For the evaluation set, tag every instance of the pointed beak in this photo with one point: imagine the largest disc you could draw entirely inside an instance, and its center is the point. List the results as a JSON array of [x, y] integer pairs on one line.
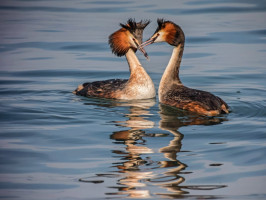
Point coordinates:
[[149, 41], [141, 49], [144, 52]]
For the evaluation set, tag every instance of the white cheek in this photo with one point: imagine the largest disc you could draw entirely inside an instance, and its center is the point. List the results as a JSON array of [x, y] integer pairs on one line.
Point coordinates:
[[160, 37], [132, 43]]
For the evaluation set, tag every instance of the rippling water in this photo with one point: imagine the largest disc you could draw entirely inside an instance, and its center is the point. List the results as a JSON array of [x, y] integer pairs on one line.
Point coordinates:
[[55, 145]]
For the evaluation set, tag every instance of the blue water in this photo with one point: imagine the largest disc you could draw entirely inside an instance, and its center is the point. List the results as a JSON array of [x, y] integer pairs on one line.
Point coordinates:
[[55, 145]]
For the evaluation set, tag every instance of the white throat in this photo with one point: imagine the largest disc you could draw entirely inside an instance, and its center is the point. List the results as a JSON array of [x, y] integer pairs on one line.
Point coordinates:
[[171, 72]]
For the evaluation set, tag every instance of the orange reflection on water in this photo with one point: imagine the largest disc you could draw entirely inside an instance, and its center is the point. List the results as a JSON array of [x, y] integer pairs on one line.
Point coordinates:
[[138, 172]]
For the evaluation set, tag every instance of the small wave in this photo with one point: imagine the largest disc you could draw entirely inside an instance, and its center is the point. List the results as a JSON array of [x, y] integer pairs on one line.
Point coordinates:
[[249, 109], [217, 9], [62, 73], [99, 178], [65, 9], [54, 46], [203, 187], [202, 39], [198, 55]]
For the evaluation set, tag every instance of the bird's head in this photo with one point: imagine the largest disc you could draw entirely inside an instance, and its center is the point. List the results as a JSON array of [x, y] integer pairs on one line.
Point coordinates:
[[129, 36], [166, 31]]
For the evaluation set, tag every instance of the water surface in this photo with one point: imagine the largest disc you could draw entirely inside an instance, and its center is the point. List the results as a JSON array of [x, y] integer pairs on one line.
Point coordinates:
[[55, 145]]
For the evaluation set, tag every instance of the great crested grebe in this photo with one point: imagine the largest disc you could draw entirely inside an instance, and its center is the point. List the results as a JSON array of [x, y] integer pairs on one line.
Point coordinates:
[[171, 90], [125, 41]]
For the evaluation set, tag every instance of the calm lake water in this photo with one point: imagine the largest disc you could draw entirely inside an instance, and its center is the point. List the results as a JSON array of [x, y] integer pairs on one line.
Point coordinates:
[[55, 145]]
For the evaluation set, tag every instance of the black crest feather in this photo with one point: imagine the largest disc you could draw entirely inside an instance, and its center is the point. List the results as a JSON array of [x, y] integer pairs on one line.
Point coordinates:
[[143, 24], [138, 33], [161, 24], [120, 47], [130, 26]]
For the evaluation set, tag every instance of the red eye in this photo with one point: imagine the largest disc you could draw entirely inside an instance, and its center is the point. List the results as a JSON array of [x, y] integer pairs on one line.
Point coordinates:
[[134, 40]]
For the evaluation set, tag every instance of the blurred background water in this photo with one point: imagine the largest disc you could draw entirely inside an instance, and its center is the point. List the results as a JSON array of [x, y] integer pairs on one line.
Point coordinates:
[[55, 145]]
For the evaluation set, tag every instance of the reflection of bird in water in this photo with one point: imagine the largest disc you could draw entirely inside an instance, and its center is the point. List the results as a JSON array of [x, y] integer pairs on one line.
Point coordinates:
[[170, 179], [125, 41], [171, 121], [129, 174], [171, 90], [138, 112], [142, 172], [131, 184]]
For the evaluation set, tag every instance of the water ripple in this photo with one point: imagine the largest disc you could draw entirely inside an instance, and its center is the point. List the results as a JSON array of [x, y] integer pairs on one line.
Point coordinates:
[[56, 73], [250, 109], [56, 145], [62, 9], [217, 9], [232, 37], [80, 46]]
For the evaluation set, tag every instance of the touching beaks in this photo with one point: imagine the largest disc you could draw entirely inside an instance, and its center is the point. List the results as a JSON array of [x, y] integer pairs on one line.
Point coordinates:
[[149, 41], [141, 49]]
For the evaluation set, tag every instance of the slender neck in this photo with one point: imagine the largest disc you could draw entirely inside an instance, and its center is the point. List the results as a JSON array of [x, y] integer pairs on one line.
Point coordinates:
[[139, 84], [171, 73], [132, 61], [136, 70]]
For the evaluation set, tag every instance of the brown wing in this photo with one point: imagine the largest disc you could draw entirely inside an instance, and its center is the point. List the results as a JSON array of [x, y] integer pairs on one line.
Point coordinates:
[[104, 89], [195, 100]]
